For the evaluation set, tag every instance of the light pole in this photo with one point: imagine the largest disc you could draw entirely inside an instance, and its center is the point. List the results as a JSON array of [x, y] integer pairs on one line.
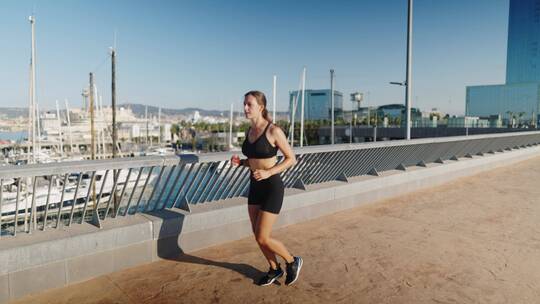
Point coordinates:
[[409, 72], [408, 81], [332, 105]]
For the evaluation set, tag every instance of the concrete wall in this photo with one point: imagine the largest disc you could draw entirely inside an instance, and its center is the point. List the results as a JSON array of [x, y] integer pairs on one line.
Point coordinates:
[[57, 257]]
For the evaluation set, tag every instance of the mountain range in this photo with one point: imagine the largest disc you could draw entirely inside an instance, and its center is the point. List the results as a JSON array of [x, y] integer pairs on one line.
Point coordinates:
[[138, 110]]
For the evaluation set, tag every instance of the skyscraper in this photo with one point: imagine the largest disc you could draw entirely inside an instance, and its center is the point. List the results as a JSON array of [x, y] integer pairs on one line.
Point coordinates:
[[523, 55], [520, 96]]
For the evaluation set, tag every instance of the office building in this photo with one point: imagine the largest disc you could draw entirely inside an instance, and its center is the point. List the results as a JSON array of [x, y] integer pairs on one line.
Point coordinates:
[[317, 104], [520, 95]]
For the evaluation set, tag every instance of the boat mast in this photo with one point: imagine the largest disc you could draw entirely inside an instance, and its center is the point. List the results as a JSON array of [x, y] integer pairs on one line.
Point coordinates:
[[146, 119], [274, 99], [103, 126], [159, 126], [230, 126], [32, 109], [92, 129], [30, 119], [38, 128], [59, 130], [113, 98], [302, 108], [69, 128]]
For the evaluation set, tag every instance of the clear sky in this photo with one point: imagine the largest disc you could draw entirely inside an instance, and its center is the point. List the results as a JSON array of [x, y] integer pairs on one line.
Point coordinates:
[[206, 54]]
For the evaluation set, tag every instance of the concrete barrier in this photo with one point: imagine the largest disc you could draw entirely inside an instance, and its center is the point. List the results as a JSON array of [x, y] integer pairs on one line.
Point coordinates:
[[53, 258]]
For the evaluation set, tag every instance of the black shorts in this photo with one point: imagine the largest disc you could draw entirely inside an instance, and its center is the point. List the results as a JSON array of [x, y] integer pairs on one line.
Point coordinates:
[[267, 193]]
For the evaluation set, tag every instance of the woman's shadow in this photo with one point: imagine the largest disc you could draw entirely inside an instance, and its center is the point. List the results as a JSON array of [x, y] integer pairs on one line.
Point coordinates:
[[168, 248]]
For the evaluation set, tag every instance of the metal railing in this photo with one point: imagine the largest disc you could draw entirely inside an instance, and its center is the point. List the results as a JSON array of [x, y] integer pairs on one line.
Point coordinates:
[[45, 196]]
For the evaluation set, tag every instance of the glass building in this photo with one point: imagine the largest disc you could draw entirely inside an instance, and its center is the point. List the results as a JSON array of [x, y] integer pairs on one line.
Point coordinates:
[[520, 96], [317, 104], [523, 56]]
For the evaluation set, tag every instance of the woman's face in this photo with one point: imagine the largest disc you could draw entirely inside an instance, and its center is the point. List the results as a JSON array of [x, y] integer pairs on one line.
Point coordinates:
[[252, 109]]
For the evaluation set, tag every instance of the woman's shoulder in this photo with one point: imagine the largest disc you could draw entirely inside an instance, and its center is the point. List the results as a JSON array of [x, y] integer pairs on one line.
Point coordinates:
[[274, 130]]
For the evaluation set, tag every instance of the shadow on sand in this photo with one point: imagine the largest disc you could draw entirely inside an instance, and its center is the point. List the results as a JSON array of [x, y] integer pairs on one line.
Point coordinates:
[[167, 247]]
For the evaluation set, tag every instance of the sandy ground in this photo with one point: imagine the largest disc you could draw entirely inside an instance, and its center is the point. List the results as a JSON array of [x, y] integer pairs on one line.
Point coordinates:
[[476, 240]]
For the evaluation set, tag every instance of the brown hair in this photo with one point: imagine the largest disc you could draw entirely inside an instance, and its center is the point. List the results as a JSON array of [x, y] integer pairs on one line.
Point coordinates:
[[261, 100]]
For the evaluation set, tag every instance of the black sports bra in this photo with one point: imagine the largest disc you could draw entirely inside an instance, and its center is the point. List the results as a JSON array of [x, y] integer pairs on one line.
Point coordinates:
[[260, 148]]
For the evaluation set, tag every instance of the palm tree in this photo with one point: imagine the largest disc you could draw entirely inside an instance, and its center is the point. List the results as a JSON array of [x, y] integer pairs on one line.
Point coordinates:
[[175, 130], [510, 118], [521, 114]]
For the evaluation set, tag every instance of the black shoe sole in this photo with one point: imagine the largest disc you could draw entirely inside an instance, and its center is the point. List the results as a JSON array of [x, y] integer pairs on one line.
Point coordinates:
[[272, 281], [297, 272]]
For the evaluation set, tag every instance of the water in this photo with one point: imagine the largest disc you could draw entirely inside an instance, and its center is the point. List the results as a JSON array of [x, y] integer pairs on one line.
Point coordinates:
[[16, 136]]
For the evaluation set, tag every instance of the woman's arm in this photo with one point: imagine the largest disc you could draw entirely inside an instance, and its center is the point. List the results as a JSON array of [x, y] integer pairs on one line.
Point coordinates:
[[289, 159]]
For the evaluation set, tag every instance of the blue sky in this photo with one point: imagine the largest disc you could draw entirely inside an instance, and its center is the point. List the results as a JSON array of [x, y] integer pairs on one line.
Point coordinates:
[[206, 54]]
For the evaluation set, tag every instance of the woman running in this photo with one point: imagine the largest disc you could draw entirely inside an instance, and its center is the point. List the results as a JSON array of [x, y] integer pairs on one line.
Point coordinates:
[[263, 139]]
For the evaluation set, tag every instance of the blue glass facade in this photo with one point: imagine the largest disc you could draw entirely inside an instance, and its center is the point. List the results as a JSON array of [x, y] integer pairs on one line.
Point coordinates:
[[518, 98], [317, 104], [521, 93], [523, 55]]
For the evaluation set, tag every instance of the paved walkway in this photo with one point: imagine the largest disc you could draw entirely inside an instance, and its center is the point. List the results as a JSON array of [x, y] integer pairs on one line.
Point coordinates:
[[476, 240]]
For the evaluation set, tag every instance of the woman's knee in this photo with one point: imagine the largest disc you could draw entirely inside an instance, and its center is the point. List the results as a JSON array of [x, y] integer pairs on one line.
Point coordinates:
[[262, 239]]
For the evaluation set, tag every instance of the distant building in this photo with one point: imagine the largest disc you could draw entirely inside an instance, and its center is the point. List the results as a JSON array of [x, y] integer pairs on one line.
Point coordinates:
[[424, 122], [520, 95], [495, 121], [49, 123], [317, 104], [391, 110], [365, 112], [394, 111], [195, 117], [467, 122]]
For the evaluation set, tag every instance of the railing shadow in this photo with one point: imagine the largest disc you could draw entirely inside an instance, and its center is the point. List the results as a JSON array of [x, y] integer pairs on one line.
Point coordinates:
[[168, 248]]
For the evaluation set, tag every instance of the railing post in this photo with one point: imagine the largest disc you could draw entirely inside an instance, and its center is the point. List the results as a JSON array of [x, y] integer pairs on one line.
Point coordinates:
[[299, 184], [373, 172], [342, 177]]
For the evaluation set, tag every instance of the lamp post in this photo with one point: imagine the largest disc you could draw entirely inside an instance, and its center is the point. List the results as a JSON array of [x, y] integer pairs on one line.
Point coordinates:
[[332, 105], [408, 81]]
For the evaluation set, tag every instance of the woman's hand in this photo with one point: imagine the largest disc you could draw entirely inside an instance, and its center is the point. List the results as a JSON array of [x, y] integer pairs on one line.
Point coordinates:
[[235, 160], [260, 174]]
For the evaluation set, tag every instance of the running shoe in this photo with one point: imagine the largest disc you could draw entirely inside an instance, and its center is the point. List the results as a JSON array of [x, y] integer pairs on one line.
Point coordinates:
[[271, 276], [293, 270]]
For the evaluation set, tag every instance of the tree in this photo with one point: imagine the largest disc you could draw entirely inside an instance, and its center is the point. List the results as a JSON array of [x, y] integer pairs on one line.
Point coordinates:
[[175, 130], [520, 115], [510, 118]]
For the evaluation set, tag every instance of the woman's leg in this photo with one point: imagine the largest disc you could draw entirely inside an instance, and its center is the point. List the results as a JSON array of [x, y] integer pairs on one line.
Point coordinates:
[[253, 217], [263, 229]]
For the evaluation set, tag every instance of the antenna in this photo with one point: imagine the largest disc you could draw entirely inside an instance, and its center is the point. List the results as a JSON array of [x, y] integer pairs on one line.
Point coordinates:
[[114, 38]]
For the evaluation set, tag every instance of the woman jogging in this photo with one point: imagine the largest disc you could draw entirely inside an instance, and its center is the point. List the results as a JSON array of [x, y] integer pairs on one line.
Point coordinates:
[[263, 139]]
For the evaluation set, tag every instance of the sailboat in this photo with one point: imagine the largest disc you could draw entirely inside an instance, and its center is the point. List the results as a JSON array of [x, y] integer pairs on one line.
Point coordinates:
[[9, 193]]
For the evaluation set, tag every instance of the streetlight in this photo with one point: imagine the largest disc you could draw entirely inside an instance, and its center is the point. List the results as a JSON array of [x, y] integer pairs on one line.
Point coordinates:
[[409, 72], [408, 82]]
